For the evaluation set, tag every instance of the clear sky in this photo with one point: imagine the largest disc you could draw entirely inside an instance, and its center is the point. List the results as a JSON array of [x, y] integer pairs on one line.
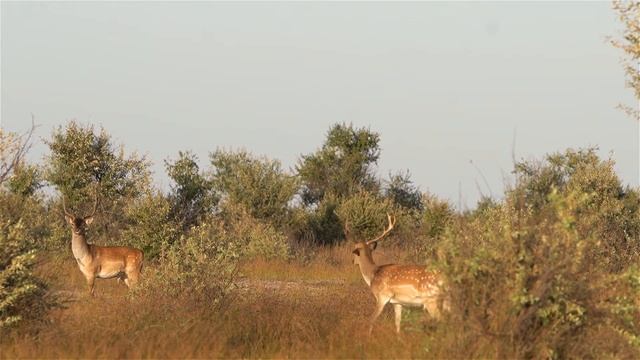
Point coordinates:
[[443, 83]]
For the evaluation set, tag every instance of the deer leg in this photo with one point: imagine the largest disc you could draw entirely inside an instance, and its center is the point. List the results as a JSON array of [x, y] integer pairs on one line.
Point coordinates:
[[431, 308], [132, 277], [379, 307], [397, 308], [91, 280]]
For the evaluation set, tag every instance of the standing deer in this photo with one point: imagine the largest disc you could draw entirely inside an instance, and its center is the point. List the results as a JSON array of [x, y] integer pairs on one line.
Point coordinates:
[[102, 262], [400, 285]]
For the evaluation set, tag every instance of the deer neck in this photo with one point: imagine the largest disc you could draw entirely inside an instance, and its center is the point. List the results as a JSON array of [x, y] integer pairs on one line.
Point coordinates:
[[367, 267], [79, 246]]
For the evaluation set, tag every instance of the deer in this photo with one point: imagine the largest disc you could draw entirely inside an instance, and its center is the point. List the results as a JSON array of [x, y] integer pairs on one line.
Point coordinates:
[[400, 285], [101, 262]]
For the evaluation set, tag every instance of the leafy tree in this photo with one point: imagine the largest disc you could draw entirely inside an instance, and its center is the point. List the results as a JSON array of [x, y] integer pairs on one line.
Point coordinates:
[[629, 14], [26, 180], [342, 166], [191, 195], [401, 190], [151, 226], [21, 293], [81, 157], [364, 215], [257, 183], [319, 225], [610, 210], [13, 148]]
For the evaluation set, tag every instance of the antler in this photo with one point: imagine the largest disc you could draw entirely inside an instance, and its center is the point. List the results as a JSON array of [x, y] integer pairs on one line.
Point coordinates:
[[392, 223], [95, 203], [64, 208], [70, 214]]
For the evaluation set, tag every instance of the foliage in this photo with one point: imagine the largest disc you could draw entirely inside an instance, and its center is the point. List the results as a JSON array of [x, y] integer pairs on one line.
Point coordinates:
[[201, 265], [342, 166], [401, 190], [364, 215], [256, 238], [541, 273], [21, 293], [151, 227], [629, 14], [81, 158], [610, 212], [13, 149], [257, 183], [436, 216], [25, 180], [191, 196], [319, 225]]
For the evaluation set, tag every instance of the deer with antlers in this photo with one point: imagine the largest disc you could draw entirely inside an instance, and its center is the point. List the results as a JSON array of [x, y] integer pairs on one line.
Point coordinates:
[[102, 262], [400, 285]]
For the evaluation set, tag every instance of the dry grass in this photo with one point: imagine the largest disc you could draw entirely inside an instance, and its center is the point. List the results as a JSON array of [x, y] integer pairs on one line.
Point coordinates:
[[319, 309]]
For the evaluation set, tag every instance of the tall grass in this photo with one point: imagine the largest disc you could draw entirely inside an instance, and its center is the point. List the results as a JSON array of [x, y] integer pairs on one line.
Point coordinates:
[[280, 310]]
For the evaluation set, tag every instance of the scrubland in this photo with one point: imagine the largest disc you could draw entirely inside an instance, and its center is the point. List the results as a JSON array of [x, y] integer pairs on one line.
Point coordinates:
[[277, 309], [244, 259]]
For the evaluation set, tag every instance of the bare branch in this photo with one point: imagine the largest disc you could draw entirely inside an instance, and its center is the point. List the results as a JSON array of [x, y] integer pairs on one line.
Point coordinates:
[[13, 150]]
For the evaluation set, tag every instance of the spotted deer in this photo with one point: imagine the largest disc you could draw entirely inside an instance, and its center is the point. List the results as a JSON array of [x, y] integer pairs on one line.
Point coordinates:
[[400, 285], [101, 262]]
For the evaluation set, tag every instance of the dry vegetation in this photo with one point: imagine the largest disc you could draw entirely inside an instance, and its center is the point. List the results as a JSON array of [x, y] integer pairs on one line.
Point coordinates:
[[277, 309], [246, 260]]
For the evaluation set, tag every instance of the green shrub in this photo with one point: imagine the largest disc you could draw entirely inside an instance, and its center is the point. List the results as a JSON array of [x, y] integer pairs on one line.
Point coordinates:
[[318, 225], [257, 183], [610, 212], [25, 180], [85, 163], [404, 194], [151, 226], [192, 196], [364, 215], [531, 276], [21, 293], [201, 264], [342, 166], [256, 238]]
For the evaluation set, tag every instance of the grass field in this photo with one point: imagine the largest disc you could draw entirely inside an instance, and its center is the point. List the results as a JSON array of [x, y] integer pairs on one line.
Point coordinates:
[[277, 309]]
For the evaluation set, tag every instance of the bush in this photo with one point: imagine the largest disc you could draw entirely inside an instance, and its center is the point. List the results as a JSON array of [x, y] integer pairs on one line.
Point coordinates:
[[528, 280], [21, 293], [151, 227], [610, 212], [342, 166], [192, 197], [401, 190], [319, 225], [201, 265], [256, 238], [85, 163], [257, 183], [364, 215]]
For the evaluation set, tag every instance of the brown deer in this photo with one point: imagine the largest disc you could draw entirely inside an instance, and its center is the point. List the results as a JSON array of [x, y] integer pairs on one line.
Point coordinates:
[[400, 285], [102, 262]]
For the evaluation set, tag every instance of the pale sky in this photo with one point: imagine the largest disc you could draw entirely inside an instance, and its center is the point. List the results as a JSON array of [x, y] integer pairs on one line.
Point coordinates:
[[443, 83]]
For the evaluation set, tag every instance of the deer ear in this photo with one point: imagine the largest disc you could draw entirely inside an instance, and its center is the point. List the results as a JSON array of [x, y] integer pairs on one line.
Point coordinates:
[[88, 220], [69, 219], [356, 252], [374, 245]]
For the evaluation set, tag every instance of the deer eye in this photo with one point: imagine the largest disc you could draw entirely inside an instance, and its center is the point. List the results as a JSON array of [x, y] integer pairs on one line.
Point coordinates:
[[356, 252]]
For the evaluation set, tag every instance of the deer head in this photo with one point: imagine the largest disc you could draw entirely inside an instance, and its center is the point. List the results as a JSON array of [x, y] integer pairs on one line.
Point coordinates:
[[79, 224], [364, 249]]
